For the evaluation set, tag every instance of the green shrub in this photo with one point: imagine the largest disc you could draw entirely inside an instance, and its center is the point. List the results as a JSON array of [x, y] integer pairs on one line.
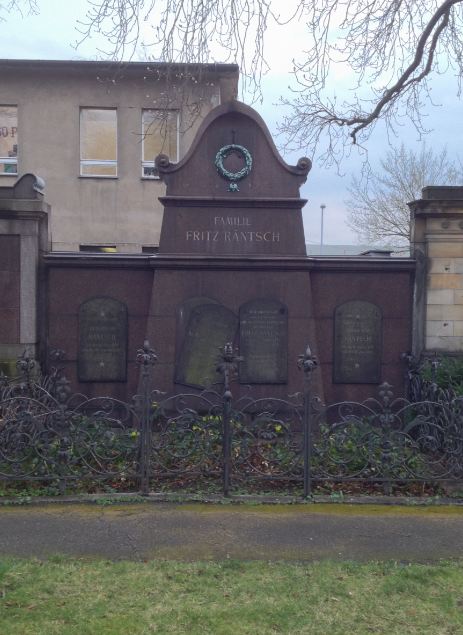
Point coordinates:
[[448, 374]]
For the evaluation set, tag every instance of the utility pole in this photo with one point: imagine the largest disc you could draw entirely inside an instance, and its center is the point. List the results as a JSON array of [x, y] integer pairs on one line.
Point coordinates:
[[322, 207]]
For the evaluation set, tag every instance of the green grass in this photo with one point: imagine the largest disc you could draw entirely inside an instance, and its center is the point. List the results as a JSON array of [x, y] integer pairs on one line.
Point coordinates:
[[83, 597]]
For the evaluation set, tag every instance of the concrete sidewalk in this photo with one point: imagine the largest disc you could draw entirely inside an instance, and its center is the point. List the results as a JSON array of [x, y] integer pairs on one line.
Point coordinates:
[[270, 532]]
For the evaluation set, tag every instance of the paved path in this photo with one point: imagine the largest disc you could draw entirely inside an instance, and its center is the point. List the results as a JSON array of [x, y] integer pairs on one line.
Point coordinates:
[[191, 532]]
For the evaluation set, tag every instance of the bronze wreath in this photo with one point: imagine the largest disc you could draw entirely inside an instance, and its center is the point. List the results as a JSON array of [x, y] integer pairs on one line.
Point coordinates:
[[224, 152]]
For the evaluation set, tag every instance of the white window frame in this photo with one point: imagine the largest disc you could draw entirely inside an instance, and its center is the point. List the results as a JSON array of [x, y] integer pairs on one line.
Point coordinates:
[[102, 162], [11, 160], [150, 164]]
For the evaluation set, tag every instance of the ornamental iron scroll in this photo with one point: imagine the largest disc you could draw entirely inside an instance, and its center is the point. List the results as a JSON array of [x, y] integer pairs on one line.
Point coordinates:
[[233, 177], [54, 438]]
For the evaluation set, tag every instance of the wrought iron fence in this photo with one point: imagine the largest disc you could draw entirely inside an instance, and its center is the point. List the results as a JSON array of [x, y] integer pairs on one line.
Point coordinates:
[[50, 435]]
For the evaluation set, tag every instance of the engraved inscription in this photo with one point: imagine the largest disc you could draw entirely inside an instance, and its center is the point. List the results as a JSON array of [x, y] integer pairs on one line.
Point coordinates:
[[102, 352], [210, 327], [264, 342], [357, 343], [232, 229]]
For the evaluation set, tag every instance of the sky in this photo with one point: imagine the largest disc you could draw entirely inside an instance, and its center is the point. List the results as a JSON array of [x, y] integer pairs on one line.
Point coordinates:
[[52, 35]]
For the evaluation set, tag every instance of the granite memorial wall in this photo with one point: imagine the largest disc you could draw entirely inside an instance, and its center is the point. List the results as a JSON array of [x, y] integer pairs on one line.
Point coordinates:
[[231, 267]]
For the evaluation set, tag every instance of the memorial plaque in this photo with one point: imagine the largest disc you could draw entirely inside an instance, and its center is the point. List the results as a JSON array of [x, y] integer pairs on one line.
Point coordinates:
[[264, 342], [210, 327], [184, 313], [102, 352], [357, 343]]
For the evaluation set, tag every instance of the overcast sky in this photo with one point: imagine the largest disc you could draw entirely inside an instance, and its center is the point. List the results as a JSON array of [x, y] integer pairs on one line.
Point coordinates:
[[52, 34]]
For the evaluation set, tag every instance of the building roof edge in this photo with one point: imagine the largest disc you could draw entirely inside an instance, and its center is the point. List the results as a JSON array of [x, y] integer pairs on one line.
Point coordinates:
[[117, 67]]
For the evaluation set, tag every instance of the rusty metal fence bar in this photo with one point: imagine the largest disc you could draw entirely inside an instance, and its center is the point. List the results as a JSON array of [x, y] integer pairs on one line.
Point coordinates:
[[50, 435]]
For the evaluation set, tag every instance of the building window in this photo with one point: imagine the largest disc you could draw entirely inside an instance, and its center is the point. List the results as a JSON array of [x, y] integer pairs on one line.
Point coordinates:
[[159, 135], [98, 249], [8, 140], [98, 142]]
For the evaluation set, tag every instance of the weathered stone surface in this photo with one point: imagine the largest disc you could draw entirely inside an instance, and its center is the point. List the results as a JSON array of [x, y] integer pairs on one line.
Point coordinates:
[[445, 281], [102, 352], [440, 296], [444, 312], [444, 265], [439, 328], [445, 250], [357, 343], [448, 343], [264, 342], [210, 327]]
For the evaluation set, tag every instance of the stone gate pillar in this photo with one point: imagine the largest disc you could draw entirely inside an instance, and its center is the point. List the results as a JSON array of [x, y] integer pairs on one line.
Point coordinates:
[[437, 246], [23, 237]]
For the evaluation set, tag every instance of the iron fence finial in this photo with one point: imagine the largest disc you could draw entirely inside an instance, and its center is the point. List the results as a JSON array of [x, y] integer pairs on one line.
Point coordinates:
[[307, 362], [228, 364], [146, 356]]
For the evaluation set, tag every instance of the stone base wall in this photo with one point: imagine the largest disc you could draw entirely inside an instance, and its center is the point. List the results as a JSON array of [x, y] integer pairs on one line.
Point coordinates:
[[74, 279]]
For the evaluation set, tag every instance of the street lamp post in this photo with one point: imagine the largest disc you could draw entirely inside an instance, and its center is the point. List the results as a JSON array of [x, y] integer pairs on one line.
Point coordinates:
[[322, 208]]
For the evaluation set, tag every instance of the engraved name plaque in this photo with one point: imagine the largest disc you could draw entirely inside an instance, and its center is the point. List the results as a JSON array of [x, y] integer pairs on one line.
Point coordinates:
[[264, 342], [357, 343], [102, 352], [209, 328]]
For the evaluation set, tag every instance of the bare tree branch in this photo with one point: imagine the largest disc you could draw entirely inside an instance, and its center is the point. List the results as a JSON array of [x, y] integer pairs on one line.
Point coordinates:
[[23, 7], [393, 49], [438, 22], [185, 31], [382, 54], [377, 207]]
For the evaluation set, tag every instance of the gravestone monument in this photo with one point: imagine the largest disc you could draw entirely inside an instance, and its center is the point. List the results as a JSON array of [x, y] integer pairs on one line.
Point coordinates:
[[232, 233]]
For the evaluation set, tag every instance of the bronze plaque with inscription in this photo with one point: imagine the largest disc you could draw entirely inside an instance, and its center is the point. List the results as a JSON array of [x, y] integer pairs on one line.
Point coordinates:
[[264, 342], [209, 328], [102, 340], [357, 343]]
